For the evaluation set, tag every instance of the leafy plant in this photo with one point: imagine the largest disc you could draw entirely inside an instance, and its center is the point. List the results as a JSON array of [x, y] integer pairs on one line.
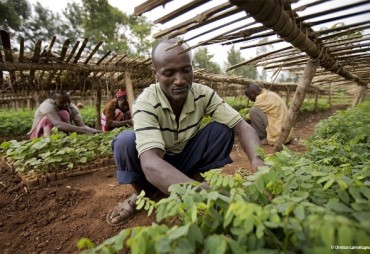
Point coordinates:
[[297, 203], [58, 151]]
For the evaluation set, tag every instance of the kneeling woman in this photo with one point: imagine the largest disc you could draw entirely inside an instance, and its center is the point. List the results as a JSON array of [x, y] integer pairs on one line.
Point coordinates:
[[116, 112]]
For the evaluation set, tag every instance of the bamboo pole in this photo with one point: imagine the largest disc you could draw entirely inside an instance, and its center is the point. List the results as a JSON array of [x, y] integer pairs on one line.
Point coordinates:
[[360, 94], [298, 98], [98, 107], [129, 90]]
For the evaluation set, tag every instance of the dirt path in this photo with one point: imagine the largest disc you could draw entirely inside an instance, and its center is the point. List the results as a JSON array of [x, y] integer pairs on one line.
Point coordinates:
[[53, 219]]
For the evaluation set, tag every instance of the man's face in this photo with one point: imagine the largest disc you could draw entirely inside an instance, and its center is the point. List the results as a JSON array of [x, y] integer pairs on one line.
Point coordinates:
[[123, 104], [174, 72], [62, 101], [251, 95]]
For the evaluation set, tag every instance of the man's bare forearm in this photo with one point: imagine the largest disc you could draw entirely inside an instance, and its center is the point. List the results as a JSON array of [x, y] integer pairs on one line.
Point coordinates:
[[159, 172]]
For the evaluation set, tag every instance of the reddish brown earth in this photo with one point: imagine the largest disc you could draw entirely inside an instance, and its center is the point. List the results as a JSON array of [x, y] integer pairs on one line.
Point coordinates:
[[53, 219]]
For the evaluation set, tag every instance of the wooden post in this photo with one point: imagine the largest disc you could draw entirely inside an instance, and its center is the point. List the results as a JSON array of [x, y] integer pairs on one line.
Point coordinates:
[[98, 107], [330, 95], [316, 99], [129, 90], [287, 95], [298, 98], [359, 96]]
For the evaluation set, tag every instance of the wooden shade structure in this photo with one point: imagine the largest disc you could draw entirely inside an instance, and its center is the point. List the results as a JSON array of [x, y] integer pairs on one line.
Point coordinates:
[[337, 56]]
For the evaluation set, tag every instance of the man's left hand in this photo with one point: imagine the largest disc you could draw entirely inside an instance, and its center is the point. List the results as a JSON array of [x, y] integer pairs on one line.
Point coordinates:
[[257, 162]]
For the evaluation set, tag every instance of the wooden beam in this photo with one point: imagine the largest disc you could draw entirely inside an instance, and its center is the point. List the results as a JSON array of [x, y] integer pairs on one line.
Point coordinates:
[[129, 90], [298, 98]]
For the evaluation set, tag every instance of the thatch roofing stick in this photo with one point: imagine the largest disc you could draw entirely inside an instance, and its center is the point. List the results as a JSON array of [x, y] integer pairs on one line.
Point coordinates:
[[21, 50], [216, 38], [204, 18], [34, 59], [183, 9], [304, 7], [259, 44], [5, 38], [61, 59], [93, 52], [1, 72], [340, 17], [73, 51], [48, 52], [105, 56], [220, 26], [346, 32], [80, 50], [11, 66], [331, 10], [272, 15], [148, 6], [258, 36], [345, 41], [98, 75], [21, 57]]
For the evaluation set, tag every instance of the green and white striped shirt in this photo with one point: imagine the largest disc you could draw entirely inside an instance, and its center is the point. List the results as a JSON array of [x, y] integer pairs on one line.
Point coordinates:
[[155, 123]]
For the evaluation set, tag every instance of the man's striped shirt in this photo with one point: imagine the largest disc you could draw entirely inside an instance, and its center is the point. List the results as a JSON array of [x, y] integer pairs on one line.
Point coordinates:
[[155, 123]]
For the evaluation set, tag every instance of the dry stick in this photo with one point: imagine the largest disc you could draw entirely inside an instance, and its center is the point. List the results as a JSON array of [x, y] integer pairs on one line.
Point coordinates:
[[69, 57], [48, 54], [183, 9], [205, 18], [148, 6], [34, 60], [298, 98], [221, 26], [21, 58], [5, 38], [61, 59], [1, 73]]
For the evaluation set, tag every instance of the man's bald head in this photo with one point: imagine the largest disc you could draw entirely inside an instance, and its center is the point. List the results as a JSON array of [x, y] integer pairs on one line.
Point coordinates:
[[160, 48], [252, 90]]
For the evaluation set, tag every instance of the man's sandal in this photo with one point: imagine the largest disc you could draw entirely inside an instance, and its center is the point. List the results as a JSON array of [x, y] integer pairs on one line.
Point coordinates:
[[122, 211]]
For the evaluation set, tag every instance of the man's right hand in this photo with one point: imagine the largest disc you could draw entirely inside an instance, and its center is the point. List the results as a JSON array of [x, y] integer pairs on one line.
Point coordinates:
[[88, 130]]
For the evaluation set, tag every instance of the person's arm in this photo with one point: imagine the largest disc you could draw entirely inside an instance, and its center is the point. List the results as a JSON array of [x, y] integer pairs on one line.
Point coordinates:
[[66, 127], [159, 172], [250, 142], [115, 124]]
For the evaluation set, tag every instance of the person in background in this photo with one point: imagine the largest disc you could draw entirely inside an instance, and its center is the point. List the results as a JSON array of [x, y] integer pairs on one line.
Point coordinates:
[[116, 112], [80, 105], [168, 145], [268, 113], [58, 111]]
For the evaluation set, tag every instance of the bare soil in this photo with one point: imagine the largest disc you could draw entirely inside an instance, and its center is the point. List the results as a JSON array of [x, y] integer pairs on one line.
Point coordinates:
[[53, 219]]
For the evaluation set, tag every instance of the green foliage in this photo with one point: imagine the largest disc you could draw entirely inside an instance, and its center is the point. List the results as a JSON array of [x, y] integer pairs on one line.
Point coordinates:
[[12, 13], [42, 24], [246, 71], [238, 103], [343, 140], [18, 123], [202, 60], [96, 19], [308, 106], [15, 123], [297, 203], [57, 151]]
